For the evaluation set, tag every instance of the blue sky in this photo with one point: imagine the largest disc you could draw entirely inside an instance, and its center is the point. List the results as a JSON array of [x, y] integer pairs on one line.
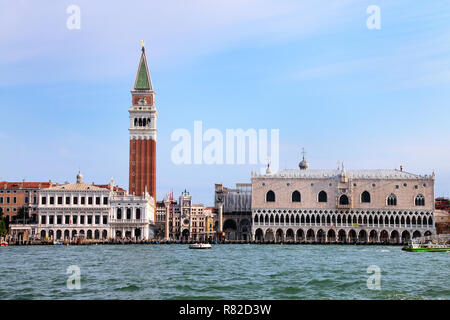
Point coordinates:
[[376, 99]]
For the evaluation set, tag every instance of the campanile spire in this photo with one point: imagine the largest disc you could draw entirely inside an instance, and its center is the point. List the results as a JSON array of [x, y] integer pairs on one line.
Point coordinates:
[[143, 115]]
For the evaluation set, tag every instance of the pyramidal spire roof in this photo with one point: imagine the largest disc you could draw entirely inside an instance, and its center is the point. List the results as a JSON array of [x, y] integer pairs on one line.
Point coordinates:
[[143, 80]]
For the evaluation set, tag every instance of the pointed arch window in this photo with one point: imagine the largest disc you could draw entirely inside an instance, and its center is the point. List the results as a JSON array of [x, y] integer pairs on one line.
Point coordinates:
[[365, 197], [392, 200], [323, 197], [420, 200], [343, 200], [270, 196], [296, 196]]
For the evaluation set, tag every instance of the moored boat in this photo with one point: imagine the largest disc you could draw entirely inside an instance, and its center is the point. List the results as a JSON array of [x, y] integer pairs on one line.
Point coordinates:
[[200, 246]]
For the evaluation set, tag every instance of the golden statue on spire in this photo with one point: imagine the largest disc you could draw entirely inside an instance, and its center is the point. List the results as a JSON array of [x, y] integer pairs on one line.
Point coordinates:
[[142, 42]]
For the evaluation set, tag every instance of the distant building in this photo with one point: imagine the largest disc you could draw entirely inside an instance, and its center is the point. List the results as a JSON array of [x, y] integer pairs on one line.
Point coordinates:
[[342, 205], [187, 221], [442, 221], [210, 221], [442, 204], [17, 195], [237, 210]]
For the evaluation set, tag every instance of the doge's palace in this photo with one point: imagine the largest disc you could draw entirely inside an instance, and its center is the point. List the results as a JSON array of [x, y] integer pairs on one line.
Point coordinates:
[[346, 206]]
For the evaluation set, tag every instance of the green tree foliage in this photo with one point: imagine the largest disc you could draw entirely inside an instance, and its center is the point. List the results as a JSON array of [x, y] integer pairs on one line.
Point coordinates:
[[3, 227]]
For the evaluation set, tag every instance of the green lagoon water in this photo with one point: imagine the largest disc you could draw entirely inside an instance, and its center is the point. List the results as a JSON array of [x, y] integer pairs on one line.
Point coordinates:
[[224, 272]]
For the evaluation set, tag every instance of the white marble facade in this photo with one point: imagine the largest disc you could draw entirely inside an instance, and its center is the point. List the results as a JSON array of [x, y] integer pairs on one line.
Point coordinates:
[[83, 211]]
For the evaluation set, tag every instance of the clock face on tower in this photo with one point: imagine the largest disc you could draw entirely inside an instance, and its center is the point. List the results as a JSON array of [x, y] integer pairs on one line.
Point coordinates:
[[186, 221]]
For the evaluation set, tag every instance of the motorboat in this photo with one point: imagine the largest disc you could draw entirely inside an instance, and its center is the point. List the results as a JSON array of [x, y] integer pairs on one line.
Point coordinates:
[[200, 246], [437, 243]]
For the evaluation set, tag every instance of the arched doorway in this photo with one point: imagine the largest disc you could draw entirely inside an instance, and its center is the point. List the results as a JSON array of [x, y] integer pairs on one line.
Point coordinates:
[[395, 237], [43, 234], [427, 233], [331, 236], [300, 235], [97, 234], [290, 235], [104, 234], [230, 229], [66, 234], [89, 234], [269, 235], [384, 236], [279, 235], [51, 234], [352, 236], [310, 235], [362, 237], [74, 234], [119, 234], [58, 234], [405, 236], [185, 235], [321, 236], [373, 236], [416, 234], [342, 236], [259, 235], [244, 226]]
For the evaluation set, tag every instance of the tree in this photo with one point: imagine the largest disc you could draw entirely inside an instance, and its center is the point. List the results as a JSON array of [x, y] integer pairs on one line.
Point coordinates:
[[3, 226]]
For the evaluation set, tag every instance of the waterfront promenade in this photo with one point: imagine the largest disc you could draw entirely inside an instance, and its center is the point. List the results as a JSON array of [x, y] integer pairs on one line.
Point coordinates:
[[162, 242]]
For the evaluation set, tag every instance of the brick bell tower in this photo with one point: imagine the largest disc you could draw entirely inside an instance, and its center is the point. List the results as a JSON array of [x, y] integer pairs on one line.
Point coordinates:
[[142, 173]]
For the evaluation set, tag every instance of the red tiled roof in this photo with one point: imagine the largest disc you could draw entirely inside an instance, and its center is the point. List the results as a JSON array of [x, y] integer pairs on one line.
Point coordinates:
[[24, 185]]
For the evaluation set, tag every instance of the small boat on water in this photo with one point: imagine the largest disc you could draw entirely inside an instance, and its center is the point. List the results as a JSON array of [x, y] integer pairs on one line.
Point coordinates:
[[4, 244], [200, 246], [437, 243]]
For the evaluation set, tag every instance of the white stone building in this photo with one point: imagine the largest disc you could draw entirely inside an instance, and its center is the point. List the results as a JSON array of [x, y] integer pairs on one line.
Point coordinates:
[[79, 210]]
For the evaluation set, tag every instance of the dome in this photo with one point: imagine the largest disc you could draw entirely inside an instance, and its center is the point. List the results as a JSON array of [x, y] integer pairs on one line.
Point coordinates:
[[303, 165], [79, 177]]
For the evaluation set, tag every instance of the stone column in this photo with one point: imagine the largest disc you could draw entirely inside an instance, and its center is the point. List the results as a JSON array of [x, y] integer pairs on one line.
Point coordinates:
[[167, 230], [220, 217]]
